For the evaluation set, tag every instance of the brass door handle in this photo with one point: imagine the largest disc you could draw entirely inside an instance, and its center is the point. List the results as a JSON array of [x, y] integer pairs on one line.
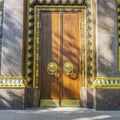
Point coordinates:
[[68, 68], [52, 68]]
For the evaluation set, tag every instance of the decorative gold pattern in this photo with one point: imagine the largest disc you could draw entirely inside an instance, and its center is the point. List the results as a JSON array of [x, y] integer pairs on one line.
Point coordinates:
[[29, 43], [118, 13], [12, 81], [90, 43], [107, 83], [60, 2], [83, 48]]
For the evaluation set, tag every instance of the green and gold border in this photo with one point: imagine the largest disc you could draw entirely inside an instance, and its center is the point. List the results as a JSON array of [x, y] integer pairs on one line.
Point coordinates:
[[12, 82], [106, 83]]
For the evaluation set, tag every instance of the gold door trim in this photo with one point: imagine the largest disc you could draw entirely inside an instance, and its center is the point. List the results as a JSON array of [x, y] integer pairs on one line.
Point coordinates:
[[37, 27]]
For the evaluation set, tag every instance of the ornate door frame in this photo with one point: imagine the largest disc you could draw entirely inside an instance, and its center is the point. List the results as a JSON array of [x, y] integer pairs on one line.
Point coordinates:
[[88, 54]]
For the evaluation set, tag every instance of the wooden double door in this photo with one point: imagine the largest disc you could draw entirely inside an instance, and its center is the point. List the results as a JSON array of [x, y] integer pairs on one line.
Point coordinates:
[[60, 41]]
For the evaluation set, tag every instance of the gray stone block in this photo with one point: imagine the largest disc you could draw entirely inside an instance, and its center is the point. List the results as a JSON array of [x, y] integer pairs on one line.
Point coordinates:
[[87, 98], [107, 99], [107, 42], [32, 97], [12, 98], [12, 38]]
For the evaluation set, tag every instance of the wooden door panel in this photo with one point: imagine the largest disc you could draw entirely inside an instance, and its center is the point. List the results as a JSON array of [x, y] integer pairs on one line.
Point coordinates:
[[50, 52], [59, 43], [71, 53], [55, 87]]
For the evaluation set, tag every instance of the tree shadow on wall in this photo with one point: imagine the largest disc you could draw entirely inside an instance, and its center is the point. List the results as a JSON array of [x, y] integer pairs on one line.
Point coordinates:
[[107, 53], [107, 49], [11, 54], [10, 100]]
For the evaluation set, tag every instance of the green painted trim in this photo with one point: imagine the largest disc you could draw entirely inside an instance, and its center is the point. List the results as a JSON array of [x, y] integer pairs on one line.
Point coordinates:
[[12, 82], [107, 83]]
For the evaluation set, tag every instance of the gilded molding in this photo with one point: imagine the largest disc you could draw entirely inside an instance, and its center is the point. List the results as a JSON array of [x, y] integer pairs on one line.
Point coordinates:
[[90, 41], [118, 14], [29, 43], [107, 83], [12, 81], [61, 2]]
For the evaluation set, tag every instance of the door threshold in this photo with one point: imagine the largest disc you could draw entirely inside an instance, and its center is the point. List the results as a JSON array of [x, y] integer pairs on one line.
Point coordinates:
[[55, 103], [49, 103]]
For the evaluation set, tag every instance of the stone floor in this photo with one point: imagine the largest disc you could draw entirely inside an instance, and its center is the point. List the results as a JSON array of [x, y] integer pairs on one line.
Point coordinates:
[[59, 114]]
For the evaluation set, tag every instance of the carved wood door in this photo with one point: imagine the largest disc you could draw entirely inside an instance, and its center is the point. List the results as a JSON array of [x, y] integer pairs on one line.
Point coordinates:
[[59, 69]]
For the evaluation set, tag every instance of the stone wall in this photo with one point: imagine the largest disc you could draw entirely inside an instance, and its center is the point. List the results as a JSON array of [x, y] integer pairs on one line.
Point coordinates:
[[1, 28], [107, 99], [107, 42], [11, 62], [12, 98]]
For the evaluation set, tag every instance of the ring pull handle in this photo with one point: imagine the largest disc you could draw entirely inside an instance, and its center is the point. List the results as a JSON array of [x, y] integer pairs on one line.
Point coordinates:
[[52, 68], [68, 68]]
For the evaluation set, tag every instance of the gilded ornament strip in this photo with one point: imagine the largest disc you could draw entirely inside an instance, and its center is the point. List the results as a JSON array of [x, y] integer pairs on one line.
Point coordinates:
[[62, 2], [107, 83], [12, 81], [83, 43], [36, 47], [90, 41], [29, 43]]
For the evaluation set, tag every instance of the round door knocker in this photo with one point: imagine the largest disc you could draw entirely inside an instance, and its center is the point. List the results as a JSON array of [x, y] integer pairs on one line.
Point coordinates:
[[52, 68], [68, 68]]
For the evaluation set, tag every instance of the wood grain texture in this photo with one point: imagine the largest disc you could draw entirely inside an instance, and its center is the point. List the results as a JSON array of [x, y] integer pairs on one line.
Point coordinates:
[[71, 53], [60, 43], [50, 52]]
